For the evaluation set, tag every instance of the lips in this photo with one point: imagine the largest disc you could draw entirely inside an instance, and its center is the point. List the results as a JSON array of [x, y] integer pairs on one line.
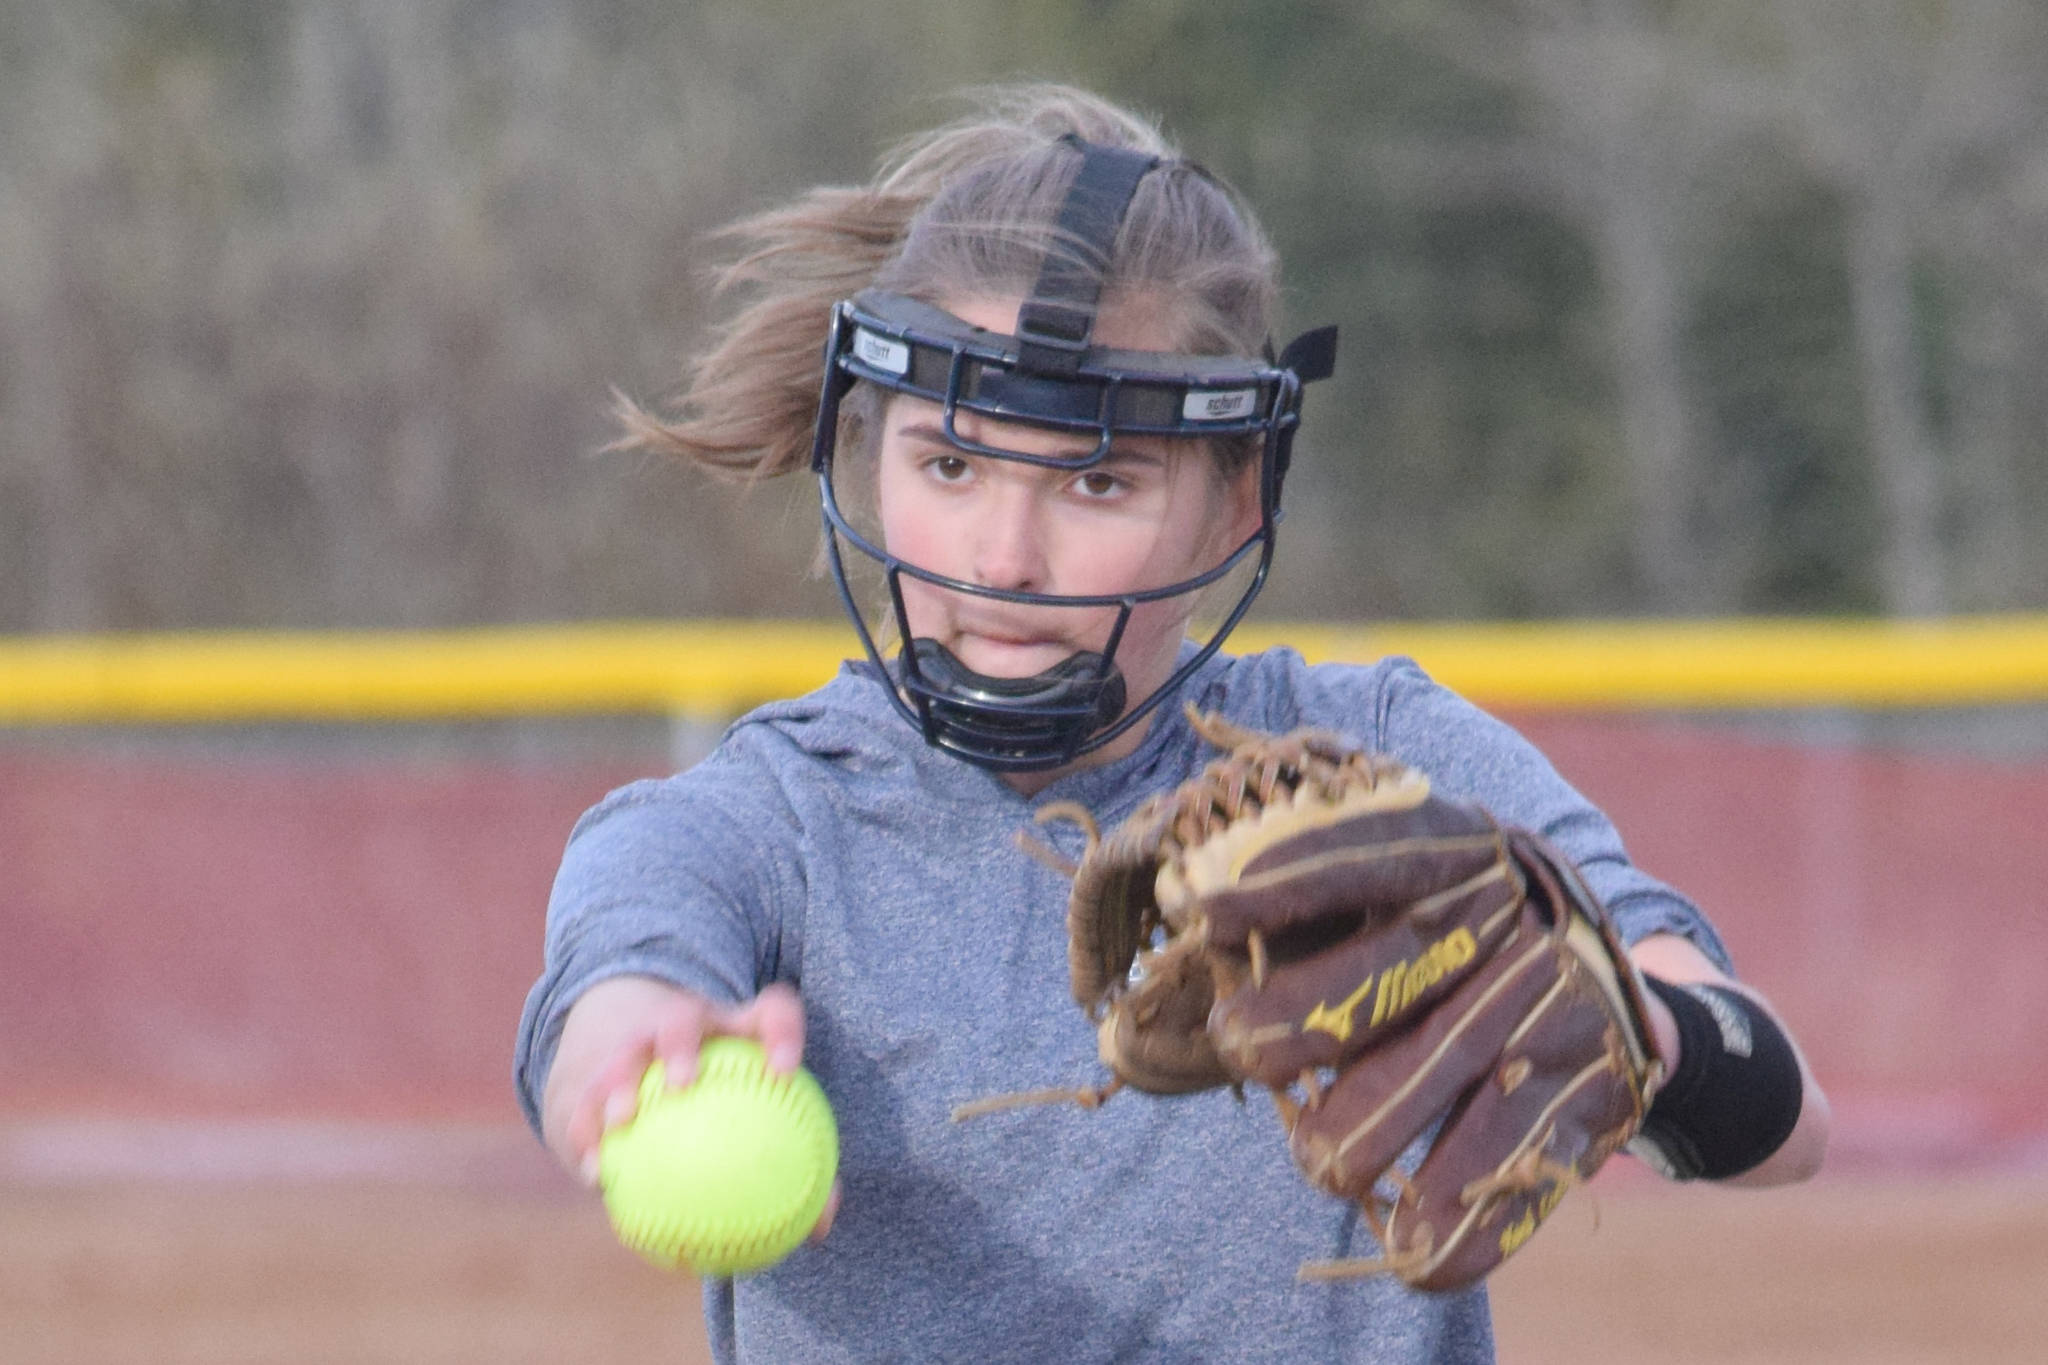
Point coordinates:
[[1014, 643], [1010, 634], [1004, 651], [996, 637]]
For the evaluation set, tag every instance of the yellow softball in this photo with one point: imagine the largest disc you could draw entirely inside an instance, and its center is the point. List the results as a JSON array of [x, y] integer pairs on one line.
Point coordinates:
[[727, 1175]]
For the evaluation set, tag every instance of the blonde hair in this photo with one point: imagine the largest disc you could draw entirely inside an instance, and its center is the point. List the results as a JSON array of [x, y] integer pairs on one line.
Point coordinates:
[[965, 210]]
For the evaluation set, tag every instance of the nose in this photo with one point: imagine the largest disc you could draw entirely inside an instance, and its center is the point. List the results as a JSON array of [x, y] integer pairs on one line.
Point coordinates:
[[1009, 538]]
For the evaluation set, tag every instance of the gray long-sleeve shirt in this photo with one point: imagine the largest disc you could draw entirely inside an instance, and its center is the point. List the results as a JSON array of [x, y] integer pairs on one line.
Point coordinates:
[[825, 845]]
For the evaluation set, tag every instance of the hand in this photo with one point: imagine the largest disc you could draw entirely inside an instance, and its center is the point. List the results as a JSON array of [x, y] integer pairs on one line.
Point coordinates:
[[1385, 960], [1450, 971], [621, 1026]]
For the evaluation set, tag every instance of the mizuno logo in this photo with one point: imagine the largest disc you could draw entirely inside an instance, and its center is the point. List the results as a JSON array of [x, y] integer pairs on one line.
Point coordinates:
[[1396, 988]]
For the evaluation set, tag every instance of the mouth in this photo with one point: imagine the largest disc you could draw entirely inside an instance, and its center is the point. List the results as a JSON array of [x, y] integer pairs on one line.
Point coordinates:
[[1008, 651]]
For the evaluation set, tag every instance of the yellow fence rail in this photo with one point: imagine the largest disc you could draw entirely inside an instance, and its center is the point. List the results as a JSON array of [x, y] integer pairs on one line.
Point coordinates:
[[711, 669]]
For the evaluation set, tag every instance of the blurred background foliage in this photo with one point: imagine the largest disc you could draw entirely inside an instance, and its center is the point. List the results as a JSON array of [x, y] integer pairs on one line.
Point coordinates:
[[309, 310]]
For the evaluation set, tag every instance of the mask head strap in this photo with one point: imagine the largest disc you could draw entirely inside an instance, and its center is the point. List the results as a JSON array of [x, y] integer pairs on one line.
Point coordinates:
[[1056, 322]]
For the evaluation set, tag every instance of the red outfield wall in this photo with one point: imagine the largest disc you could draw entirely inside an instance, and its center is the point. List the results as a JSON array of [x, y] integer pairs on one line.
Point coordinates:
[[1893, 905], [222, 938], [211, 938]]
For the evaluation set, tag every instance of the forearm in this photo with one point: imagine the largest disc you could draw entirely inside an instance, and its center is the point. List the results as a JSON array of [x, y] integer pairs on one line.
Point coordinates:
[[1676, 960]]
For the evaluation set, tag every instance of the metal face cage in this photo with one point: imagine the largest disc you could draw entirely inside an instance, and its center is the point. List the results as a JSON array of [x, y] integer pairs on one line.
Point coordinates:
[[1047, 377]]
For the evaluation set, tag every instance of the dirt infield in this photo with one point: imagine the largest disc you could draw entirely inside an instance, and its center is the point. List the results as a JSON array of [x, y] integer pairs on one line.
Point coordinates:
[[1876, 1272], [196, 1274]]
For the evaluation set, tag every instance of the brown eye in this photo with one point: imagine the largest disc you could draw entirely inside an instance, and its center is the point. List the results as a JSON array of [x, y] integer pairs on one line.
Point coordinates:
[[1097, 484], [949, 468]]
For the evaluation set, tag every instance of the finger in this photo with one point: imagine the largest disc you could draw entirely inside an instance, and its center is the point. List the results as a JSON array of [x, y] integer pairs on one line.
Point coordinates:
[[825, 1219], [1383, 1101], [611, 1099], [774, 1018], [1343, 1000], [679, 1037], [1370, 856], [1543, 1119]]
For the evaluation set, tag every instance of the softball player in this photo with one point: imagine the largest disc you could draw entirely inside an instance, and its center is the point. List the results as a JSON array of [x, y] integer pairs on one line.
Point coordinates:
[[1030, 367]]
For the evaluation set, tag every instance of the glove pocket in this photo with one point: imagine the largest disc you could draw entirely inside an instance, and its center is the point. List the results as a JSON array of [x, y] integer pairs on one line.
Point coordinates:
[[1154, 1035]]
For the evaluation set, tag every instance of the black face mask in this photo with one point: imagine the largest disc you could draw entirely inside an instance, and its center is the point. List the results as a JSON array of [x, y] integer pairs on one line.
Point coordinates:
[[1049, 376]]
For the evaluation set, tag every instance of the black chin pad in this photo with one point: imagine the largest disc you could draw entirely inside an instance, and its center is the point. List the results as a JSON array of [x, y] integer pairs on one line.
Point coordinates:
[[1076, 683], [1013, 723]]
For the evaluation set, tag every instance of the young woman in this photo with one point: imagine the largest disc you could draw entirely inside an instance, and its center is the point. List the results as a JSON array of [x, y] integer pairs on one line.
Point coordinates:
[[1047, 422]]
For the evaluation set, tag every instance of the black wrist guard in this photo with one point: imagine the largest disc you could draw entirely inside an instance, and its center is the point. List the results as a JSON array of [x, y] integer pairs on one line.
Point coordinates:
[[1735, 1095]]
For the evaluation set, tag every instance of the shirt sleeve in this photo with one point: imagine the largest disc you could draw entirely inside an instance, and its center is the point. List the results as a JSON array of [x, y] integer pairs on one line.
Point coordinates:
[[694, 880], [1470, 755]]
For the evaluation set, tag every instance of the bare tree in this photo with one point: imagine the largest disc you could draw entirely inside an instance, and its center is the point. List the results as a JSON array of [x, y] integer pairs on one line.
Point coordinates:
[[1624, 113], [308, 311], [1892, 104], [1891, 101]]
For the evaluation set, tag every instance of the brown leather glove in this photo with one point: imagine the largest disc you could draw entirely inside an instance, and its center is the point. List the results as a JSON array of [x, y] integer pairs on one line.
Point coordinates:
[[1311, 917]]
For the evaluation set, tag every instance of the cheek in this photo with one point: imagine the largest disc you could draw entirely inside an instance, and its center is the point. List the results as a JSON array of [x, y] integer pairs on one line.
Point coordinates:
[[924, 608], [911, 529], [1199, 525], [925, 604], [903, 529], [1105, 555], [1151, 642]]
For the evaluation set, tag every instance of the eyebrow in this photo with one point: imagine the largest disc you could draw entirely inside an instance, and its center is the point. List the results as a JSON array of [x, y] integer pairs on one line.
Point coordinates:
[[1118, 454]]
